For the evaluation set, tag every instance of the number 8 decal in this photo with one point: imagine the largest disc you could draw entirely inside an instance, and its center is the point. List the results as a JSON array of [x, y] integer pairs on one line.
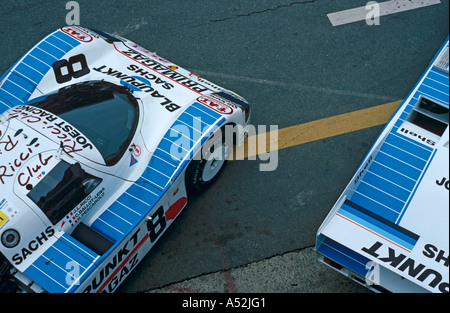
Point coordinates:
[[75, 67], [156, 224]]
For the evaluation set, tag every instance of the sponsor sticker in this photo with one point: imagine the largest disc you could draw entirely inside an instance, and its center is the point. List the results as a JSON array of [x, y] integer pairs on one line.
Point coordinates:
[[3, 218], [215, 105], [77, 33]]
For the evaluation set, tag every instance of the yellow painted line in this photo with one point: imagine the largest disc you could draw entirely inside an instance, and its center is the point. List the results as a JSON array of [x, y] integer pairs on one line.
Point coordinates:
[[316, 130]]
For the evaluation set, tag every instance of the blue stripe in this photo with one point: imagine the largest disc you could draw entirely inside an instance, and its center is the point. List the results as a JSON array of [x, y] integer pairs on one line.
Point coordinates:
[[134, 208], [87, 253], [188, 126], [377, 228], [68, 42], [418, 183], [23, 83], [60, 43], [55, 51], [111, 231], [116, 221], [440, 78], [437, 83], [30, 70], [378, 224], [14, 90], [9, 97], [48, 276], [415, 148], [205, 114], [69, 250], [157, 178], [399, 165], [39, 56], [35, 64], [436, 94], [402, 118], [163, 165], [4, 104], [381, 195], [196, 118], [374, 206], [145, 191], [400, 153], [396, 190], [53, 268], [126, 208], [344, 256], [173, 149]]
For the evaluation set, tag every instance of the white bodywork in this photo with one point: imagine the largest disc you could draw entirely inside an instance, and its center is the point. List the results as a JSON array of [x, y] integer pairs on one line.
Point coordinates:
[[138, 197], [389, 230]]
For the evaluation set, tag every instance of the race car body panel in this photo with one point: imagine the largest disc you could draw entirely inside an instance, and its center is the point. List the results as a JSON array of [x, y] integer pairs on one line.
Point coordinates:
[[95, 138], [389, 230]]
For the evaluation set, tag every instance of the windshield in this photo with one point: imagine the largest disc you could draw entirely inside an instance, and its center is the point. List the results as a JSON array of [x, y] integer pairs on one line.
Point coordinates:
[[105, 113]]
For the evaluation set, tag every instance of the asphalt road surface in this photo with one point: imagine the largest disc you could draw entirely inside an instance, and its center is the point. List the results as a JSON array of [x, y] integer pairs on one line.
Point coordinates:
[[293, 66]]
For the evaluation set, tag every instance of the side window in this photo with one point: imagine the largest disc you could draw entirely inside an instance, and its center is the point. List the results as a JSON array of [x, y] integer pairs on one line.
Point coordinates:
[[62, 189]]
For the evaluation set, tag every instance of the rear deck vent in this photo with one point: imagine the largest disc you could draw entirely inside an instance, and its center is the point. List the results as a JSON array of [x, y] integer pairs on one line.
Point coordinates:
[[442, 62], [430, 116]]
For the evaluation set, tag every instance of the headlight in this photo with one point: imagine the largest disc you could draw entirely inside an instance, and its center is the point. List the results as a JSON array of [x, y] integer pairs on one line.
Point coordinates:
[[10, 238]]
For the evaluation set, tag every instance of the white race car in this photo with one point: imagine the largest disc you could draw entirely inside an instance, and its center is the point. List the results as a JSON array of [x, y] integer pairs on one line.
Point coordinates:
[[101, 142]]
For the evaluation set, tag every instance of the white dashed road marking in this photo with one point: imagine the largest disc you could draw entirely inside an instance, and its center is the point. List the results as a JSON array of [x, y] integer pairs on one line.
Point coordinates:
[[385, 8]]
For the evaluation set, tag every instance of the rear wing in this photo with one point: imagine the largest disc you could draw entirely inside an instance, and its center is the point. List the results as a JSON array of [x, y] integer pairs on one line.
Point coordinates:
[[389, 230]]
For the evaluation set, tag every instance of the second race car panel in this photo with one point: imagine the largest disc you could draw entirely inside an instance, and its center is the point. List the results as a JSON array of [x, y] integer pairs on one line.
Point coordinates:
[[394, 212]]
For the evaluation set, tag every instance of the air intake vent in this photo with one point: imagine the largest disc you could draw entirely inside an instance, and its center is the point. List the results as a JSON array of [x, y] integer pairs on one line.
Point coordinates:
[[430, 116], [426, 123]]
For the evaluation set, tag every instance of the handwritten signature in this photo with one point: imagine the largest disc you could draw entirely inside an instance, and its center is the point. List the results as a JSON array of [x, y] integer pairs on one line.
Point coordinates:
[[25, 175]]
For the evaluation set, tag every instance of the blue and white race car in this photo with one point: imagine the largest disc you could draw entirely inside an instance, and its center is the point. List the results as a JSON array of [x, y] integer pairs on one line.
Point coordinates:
[[101, 142]]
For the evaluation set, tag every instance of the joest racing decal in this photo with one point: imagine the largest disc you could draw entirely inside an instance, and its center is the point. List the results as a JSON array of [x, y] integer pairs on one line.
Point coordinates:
[[443, 182], [58, 130]]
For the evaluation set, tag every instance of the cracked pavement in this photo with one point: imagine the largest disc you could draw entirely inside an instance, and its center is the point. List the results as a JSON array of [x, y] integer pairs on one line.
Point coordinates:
[[263, 11], [292, 272]]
